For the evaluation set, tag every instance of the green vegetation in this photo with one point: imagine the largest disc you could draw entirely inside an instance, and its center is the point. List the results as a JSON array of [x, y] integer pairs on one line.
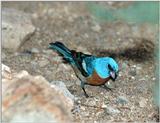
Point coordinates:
[[138, 12]]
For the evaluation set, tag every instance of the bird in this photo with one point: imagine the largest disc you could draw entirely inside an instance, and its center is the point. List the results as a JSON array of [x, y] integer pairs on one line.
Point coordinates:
[[90, 69]]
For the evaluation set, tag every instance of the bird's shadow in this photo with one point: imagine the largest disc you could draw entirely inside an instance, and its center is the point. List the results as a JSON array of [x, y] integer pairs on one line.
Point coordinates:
[[142, 51]]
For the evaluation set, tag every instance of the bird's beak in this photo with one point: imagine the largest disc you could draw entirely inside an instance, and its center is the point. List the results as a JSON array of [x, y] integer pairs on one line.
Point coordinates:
[[113, 75]]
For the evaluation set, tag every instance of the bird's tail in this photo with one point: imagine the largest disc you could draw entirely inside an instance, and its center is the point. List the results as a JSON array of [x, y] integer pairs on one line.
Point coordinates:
[[63, 50]]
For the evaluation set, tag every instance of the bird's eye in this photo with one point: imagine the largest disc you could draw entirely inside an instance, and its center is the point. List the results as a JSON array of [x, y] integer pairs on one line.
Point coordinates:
[[110, 68]]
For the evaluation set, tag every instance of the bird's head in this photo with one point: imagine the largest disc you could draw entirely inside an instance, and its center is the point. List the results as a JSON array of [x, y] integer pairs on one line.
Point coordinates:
[[113, 69]]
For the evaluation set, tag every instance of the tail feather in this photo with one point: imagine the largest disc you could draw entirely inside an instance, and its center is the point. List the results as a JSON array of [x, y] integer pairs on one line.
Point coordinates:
[[60, 45], [73, 57], [62, 49]]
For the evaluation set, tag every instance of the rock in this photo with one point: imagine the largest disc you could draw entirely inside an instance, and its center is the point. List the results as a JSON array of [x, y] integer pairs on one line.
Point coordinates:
[[104, 105], [6, 72], [16, 28], [133, 72], [48, 51], [34, 50], [96, 28], [122, 100], [91, 102], [38, 117], [34, 65], [83, 108], [111, 110], [153, 78], [76, 109], [61, 86], [43, 63], [142, 102], [132, 77], [33, 100], [110, 85]]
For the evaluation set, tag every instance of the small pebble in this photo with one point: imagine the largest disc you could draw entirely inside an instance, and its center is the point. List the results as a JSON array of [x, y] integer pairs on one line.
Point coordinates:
[[83, 108], [47, 51], [134, 66], [122, 100], [86, 113], [153, 78], [43, 63], [111, 110], [142, 102], [133, 72], [139, 68], [33, 64], [96, 28], [79, 101], [104, 105], [96, 99], [118, 33], [34, 50], [109, 85], [132, 77], [76, 109]]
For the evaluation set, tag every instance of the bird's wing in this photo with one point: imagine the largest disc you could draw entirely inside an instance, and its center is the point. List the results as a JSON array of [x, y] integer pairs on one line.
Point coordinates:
[[83, 62], [88, 64]]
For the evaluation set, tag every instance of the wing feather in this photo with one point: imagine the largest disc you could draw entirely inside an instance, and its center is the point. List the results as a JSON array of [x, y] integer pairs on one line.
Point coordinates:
[[83, 62]]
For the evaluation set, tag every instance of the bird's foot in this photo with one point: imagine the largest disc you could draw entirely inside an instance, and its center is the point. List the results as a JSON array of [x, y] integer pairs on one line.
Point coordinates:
[[107, 88], [86, 95]]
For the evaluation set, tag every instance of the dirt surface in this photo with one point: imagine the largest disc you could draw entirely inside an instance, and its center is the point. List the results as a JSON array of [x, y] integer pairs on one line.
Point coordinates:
[[76, 27]]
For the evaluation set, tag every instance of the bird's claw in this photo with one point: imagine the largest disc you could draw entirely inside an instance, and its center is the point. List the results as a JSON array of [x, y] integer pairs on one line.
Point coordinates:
[[86, 95], [107, 88]]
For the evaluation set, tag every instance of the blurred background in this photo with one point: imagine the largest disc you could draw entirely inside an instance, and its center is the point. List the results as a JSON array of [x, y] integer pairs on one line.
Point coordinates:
[[127, 31]]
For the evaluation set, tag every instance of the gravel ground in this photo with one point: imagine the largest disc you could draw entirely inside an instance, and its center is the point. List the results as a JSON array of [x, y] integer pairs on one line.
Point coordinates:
[[71, 23]]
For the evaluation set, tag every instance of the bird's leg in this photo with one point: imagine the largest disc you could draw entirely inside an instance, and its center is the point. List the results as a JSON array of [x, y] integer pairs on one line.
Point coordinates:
[[82, 86], [107, 88], [82, 78]]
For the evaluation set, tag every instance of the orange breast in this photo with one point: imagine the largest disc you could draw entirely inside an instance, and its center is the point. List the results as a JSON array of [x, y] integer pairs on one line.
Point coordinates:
[[95, 79]]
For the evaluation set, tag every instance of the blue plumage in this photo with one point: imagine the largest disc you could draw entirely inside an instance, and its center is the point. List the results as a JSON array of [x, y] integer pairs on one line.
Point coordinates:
[[100, 65], [89, 69], [88, 64], [60, 48]]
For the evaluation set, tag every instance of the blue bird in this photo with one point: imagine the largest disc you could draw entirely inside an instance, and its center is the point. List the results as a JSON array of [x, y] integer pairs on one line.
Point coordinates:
[[91, 70]]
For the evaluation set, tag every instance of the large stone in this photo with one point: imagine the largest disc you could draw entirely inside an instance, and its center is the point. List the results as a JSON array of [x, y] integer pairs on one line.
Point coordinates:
[[16, 28], [61, 86], [27, 98]]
